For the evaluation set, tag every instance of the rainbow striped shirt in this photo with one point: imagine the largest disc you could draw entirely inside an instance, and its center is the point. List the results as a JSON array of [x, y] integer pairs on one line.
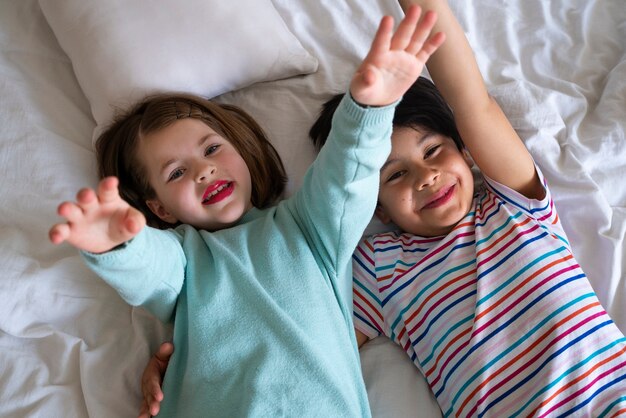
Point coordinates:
[[497, 315]]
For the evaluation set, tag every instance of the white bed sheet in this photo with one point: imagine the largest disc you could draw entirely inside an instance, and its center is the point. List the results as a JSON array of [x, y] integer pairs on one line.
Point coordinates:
[[69, 346]]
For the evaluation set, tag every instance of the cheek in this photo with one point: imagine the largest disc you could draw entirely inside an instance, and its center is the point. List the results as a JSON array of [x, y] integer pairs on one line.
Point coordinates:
[[395, 199]]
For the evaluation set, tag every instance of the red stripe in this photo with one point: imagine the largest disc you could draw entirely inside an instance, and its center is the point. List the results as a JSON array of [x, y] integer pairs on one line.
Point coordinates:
[[449, 241], [526, 351], [368, 303], [521, 298], [579, 378], [535, 358], [523, 283], [452, 341], [515, 240], [372, 320]]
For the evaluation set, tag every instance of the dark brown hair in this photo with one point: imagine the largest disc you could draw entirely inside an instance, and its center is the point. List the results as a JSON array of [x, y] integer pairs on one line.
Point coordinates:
[[116, 148], [422, 107]]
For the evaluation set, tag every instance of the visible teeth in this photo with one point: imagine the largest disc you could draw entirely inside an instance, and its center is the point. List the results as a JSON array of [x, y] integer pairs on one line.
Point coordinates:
[[216, 191]]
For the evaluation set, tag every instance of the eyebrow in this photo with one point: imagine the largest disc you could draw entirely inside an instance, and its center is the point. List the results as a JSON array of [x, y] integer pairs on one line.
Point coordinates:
[[419, 141], [204, 139]]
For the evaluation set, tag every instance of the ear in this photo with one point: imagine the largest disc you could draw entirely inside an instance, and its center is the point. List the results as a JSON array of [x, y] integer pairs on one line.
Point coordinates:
[[157, 208], [382, 214]]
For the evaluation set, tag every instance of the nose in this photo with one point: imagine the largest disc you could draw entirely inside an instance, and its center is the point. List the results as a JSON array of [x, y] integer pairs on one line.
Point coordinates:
[[426, 177], [204, 172]]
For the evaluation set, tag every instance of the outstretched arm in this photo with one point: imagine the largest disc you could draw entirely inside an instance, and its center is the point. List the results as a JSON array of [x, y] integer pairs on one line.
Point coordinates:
[[98, 221], [493, 143]]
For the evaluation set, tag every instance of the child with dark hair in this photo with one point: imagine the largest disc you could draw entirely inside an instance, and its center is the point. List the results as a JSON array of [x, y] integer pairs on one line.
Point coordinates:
[[479, 286]]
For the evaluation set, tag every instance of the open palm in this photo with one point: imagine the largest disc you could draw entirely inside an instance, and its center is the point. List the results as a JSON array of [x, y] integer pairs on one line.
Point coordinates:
[[395, 60], [97, 221]]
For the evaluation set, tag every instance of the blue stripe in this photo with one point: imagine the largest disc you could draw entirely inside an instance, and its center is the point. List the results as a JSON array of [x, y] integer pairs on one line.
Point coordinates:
[[493, 213], [523, 339], [400, 246], [516, 204], [542, 365], [519, 273], [593, 395], [393, 266], [498, 229], [509, 255], [428, 267], [445, 337], [611, 406], [363, 265], [440, 314], [428, 287], [504, 325], [567, 373], [366, 290], [367, 322]]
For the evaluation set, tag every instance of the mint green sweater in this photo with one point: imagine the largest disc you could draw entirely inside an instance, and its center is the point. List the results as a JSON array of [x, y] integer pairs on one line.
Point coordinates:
[[262, 311]]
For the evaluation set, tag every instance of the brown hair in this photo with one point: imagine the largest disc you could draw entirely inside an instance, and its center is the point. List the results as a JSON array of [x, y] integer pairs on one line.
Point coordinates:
[[116, 148]]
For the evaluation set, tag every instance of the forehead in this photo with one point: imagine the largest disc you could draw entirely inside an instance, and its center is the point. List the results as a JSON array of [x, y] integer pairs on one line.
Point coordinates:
[[173, 141], [405, 138], [177, 135], [416, 133]]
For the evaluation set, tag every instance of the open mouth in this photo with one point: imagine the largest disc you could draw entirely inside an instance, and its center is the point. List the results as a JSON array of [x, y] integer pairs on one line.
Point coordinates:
[[217, 192], [440, 198]]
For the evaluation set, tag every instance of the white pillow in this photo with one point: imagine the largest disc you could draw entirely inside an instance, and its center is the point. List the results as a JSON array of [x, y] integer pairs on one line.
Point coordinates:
[[122, 50]]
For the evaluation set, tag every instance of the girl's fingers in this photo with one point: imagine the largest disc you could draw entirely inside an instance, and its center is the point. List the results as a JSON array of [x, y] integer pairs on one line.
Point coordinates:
[[86, 200], [70, 211], [133, 221], [59, 233], [404, 34], [107, 190]]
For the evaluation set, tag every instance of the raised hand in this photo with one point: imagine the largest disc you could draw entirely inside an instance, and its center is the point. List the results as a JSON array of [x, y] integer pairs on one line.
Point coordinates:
[[395, 60], [97, 222]]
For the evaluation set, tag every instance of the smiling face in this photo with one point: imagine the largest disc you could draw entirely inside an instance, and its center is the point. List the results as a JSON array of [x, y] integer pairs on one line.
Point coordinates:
[[426, 185], [198, 176]]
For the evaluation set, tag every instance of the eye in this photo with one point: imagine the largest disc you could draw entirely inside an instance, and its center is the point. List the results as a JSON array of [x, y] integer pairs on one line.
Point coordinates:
[[175, 174], [395, 175], [431, 151], [211, 149]]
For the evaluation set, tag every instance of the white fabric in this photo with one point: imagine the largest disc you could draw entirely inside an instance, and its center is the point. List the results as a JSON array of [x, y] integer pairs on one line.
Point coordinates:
[[122, 50], [69, 346]]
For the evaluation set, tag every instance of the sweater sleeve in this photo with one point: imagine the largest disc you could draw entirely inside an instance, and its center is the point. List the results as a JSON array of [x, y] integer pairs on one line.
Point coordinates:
[[146, 271], [340, 189]]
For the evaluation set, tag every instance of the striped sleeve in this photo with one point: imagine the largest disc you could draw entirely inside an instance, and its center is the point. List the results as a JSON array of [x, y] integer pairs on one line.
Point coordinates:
[[543, 210], [368, 314]]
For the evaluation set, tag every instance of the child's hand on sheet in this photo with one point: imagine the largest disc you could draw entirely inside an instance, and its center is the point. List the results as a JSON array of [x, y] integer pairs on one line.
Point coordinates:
[[152, 379], [97, 221], [395, 60]]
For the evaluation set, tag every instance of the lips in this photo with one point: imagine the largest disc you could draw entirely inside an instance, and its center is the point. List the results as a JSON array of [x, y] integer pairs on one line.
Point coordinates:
[[217, 192], [440, 198]]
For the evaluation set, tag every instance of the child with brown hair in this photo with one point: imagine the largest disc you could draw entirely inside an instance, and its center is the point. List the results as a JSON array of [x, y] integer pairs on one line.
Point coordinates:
[[260, 324]]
